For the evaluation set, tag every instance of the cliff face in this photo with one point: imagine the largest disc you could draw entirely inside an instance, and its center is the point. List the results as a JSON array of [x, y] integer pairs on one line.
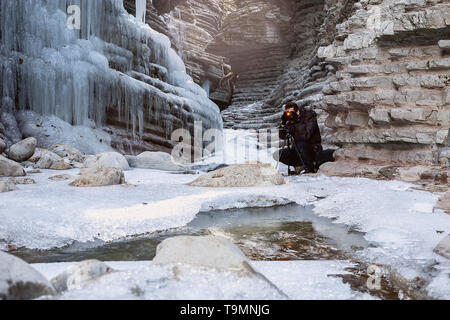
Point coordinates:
[[192, 25], [388, 103]]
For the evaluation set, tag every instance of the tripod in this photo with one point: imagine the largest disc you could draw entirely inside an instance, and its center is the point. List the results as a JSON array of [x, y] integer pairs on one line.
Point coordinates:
[[289, 142]]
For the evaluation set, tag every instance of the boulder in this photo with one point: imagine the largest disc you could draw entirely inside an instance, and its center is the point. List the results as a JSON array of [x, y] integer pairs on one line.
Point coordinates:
[[99, 176], [209, 252], [68, 152], [7, 186], [22, 181], [75, 277], [154, 160], [443, 248], [20, 281], [39, 153], [23, 150], [107, 159], [2, 145], [60, 165], [44, 159], [242, 175], [9, 168]]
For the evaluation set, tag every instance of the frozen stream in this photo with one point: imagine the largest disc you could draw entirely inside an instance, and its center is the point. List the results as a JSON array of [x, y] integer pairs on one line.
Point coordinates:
[[289, 232], [281, 233]]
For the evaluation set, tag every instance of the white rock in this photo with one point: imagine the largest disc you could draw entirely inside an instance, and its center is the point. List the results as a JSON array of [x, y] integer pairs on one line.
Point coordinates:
[[243, 175], [44, 159], [9, 168], [39, 153], [7, 186], [443, 248], [107, 159], [20, 281], [99, 176], [75, 277], [68, 152], [23, 150], [60, 165], [208, 251], [153, 160]]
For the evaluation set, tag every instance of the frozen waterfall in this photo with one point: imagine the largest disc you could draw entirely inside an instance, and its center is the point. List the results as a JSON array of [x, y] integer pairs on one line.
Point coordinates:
[[114, 71]]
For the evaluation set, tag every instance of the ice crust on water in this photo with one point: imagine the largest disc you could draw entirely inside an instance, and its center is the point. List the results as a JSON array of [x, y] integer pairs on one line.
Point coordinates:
[[143, 280], [78, 75]]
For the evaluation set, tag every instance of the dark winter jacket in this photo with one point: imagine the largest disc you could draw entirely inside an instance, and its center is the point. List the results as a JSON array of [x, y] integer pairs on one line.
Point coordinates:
[[307, 130]]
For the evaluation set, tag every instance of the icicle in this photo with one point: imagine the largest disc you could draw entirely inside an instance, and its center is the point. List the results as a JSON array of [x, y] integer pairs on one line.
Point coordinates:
[[141, 10]]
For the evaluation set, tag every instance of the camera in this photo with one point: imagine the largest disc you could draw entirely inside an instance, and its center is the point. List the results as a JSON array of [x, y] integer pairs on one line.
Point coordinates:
[[289, 117]]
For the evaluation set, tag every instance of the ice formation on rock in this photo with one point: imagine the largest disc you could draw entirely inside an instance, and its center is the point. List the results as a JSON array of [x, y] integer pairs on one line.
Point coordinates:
[[114, 70], [141, 8]]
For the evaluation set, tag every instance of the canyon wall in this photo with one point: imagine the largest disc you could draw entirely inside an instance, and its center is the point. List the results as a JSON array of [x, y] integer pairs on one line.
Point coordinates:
[[388, 103], [377, 73]]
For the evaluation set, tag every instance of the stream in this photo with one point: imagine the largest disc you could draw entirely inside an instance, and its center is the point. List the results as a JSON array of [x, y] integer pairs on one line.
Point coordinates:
[[281, 233]]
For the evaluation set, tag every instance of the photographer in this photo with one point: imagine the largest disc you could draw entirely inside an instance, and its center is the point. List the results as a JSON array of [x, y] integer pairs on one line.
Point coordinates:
[[302, 125]]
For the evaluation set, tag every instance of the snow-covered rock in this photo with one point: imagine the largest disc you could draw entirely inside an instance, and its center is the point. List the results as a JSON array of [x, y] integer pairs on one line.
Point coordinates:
[[51, 130], [60, 165], [144, 280], [68, 152], [9, 168], [153, 160], [23, 150], [2, 145], [20, 281], [7, 186], [44, 159], [107, 159], [99, 176], [40, 153], [76, 276], [22, 180], [300, 280], [443, 248], [9, 122], [208, 251], [242, 175]]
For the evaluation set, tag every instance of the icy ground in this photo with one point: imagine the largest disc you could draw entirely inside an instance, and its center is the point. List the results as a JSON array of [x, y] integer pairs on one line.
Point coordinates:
[[398, 220], [142, 280]]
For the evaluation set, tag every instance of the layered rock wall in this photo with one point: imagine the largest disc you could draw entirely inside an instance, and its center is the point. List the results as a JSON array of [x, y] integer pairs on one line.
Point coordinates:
[[388, 103]]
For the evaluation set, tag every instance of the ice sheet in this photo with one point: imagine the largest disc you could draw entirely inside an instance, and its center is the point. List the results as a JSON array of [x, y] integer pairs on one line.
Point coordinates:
[[298, 280]]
